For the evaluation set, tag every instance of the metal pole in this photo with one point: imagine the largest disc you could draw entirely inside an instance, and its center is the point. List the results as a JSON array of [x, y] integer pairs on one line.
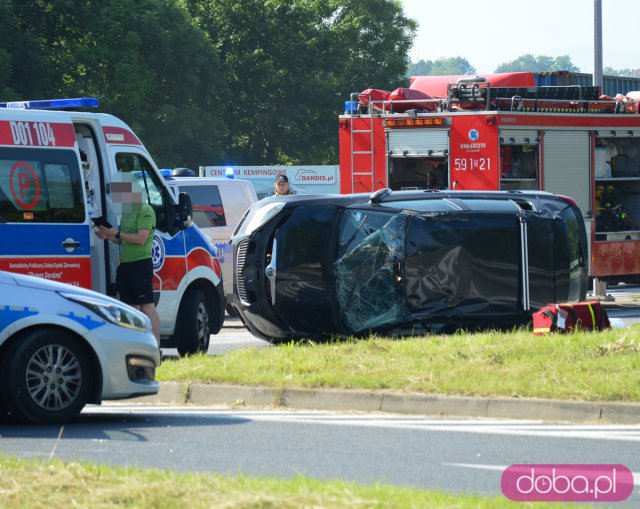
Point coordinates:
[[597, 44]]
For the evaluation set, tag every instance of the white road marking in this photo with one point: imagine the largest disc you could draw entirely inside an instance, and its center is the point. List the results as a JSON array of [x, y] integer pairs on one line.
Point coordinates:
[[628, 433]]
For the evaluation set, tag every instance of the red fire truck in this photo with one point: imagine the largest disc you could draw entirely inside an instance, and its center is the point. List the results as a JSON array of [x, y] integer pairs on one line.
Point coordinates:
[[502, 132]]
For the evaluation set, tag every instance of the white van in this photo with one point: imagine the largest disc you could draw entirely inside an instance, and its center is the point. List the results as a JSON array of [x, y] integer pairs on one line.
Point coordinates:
[[56, 170], [218, 206]]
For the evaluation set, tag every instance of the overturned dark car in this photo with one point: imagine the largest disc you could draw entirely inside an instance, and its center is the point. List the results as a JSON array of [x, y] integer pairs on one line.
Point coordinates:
[[408, 262]]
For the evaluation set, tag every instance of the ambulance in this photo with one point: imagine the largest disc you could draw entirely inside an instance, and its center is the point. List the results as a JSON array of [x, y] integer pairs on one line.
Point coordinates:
[[56, 172]]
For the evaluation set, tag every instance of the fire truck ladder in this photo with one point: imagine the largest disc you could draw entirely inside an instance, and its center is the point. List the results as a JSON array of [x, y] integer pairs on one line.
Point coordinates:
[[357, 175]]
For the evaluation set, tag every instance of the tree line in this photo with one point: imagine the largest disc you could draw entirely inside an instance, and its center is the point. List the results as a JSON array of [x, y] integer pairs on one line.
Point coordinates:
[[209, 81], [524, 63], [214, 81]]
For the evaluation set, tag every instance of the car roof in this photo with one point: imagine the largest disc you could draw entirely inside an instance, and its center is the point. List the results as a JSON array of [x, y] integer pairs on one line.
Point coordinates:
[[525, 200]]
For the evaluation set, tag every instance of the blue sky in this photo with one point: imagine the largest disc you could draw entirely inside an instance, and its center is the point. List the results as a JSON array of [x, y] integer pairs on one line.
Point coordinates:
[[496, 31]]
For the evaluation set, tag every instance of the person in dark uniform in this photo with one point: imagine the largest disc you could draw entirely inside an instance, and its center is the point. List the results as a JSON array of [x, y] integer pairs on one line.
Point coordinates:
[[281, 185]]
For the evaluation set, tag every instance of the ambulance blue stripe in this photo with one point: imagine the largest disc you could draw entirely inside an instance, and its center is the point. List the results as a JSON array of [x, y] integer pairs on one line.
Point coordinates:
[[195, 238], [42, 239]]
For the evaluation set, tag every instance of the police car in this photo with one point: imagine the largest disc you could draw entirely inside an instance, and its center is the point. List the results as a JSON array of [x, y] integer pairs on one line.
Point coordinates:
[[62, 347]]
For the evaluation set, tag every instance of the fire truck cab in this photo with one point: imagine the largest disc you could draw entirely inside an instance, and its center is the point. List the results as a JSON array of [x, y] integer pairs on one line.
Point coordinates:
[[502, 132]]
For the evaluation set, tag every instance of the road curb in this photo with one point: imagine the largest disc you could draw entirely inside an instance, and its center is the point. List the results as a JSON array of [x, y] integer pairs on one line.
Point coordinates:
[[395, 402]]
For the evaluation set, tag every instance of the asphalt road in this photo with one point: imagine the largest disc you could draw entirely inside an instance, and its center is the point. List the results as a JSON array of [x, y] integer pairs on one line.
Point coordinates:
[[452, 455]]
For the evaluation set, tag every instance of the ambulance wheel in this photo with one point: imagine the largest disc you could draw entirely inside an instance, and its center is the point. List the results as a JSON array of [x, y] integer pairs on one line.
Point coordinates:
[[194, 324], [46, 377]]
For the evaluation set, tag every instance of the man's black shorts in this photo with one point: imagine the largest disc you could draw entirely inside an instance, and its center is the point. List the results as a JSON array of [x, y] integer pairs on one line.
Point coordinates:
[[134, 281]]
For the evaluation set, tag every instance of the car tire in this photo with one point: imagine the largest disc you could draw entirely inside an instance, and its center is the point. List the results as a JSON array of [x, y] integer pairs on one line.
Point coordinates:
[[194, 324], [30, 392]]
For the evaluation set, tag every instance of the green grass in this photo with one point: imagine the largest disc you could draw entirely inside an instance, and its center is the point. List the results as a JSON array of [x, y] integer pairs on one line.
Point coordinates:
[[580, 366], [59, 485]]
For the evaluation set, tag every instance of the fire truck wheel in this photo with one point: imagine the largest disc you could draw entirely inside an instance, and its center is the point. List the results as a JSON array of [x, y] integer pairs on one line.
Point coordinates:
[[46, 377], [194, 326]]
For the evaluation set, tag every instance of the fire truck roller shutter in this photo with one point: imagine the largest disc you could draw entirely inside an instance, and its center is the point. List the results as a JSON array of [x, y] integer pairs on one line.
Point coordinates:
[[418, 142], [566, 166], [519, 137]]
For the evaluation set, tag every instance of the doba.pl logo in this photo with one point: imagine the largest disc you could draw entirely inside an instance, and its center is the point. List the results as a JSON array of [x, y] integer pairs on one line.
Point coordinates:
[[567, 483]]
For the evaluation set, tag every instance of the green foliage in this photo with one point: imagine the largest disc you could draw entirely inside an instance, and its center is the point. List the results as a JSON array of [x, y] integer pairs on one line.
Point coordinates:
[[540, 63], [144, 59], [441, 67], [8, 36], [291, 63], [627, 73]]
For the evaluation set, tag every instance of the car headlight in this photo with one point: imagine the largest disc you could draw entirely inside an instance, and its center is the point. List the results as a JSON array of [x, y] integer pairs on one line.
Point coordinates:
[[260, 216], [118, 314]]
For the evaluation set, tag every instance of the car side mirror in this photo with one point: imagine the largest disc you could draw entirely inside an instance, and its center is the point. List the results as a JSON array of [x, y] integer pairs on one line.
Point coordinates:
[[185, 210]]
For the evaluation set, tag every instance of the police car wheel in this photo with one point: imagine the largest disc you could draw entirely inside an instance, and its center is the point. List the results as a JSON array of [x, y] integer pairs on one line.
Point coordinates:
[[46, 377], [194, 327]]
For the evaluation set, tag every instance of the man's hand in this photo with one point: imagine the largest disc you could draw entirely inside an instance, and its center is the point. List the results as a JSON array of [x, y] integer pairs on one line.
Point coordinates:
[[105, 233]]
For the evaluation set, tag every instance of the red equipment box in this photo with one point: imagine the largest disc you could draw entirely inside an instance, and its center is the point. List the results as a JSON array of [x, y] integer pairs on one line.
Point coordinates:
[[562, 318]]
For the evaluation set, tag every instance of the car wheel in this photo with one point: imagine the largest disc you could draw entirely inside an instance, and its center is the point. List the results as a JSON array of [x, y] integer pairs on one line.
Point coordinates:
[[46, 377], [231, 311], [194, 325]]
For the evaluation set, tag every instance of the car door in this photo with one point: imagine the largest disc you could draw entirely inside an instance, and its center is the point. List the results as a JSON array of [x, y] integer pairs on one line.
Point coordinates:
[[299, 272], [43, 223], [464, 267]]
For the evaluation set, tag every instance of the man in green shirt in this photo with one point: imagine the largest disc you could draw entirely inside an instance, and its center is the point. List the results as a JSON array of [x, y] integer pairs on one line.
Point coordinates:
[[134, 277]]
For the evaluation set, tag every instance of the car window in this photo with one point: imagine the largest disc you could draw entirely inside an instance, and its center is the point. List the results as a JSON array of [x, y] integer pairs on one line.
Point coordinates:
[[463, 264], [40, 185], [357, 224], [207, 205], [368, 277], [484, 204], [422, 205], [148, 182], [572, 253]]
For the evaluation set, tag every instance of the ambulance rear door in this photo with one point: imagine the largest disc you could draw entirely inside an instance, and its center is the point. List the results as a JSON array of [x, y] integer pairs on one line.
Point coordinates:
[[43, 221]]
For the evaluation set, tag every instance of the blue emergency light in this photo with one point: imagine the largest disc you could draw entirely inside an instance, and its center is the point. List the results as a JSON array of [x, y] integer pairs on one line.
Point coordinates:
[[228, 172], [52, 104]]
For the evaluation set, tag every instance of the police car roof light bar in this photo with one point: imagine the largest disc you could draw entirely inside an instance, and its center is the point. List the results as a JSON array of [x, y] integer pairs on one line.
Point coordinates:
[[52, 104]]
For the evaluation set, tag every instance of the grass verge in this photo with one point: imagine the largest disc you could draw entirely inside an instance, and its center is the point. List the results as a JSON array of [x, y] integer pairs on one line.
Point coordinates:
[[63, 485], [578, 366]]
